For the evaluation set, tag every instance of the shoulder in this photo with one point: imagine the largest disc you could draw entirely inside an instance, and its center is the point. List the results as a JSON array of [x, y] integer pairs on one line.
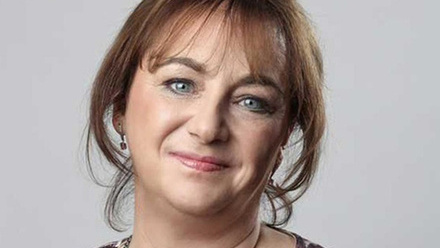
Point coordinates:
[[304, 243], [283, 238], [116, 244]]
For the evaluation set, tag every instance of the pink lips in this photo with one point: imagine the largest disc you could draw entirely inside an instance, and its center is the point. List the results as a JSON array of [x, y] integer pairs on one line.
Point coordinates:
[[200, 163]]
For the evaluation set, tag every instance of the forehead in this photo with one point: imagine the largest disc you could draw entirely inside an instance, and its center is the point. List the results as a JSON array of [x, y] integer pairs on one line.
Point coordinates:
[[210, 44], [218, 42]]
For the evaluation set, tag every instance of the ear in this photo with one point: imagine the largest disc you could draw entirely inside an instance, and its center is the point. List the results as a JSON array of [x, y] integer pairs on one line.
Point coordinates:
[[287, 135], [118, 122]]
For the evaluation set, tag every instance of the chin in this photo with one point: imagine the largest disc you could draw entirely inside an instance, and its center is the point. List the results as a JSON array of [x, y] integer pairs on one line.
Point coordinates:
[[198, 202]]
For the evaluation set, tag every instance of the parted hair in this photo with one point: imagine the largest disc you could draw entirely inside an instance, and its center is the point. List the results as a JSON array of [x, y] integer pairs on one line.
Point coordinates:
[[273, 32]]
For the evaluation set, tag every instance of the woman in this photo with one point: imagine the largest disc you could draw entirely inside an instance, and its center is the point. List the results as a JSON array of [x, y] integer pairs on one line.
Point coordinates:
[[204, 96]]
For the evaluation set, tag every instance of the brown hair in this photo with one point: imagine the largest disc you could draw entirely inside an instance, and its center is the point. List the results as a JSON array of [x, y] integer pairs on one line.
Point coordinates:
[[298, 60]]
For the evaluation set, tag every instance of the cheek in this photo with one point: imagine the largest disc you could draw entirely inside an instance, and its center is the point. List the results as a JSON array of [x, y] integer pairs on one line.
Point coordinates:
[[149, 119], [258, 148]]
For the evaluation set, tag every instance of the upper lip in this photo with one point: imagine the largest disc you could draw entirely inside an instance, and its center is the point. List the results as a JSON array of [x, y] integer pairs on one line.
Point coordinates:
[[201, 158]]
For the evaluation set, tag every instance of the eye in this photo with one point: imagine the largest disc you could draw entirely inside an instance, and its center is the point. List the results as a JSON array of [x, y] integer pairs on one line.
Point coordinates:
[[180, 86], [255, 104]]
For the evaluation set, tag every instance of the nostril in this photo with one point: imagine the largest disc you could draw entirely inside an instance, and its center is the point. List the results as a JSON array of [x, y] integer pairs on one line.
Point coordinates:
[[207, 129]]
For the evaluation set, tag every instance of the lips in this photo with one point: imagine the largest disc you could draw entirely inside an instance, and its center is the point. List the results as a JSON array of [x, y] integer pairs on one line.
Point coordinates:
[[200, 163]]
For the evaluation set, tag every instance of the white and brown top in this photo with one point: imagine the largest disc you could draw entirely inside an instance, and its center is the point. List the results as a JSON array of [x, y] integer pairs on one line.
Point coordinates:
[[300, 242]]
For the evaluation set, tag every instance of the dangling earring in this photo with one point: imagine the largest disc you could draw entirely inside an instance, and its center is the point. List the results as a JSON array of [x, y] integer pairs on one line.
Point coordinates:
[[271, 180], [279, 160], [277, 164], [122, 144]]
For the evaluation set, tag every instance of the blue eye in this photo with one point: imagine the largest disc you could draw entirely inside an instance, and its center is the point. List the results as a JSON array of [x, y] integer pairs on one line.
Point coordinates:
[[255, 105], [180, 86]]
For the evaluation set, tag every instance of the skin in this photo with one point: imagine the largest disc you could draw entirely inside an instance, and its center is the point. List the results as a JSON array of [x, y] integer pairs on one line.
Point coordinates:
[[209, 114]]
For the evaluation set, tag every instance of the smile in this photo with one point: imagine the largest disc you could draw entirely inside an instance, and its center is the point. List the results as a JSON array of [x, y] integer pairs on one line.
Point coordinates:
[[204, 164]]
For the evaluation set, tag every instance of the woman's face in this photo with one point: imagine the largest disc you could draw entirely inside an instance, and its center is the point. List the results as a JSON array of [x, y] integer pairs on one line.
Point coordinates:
[[200, 109]]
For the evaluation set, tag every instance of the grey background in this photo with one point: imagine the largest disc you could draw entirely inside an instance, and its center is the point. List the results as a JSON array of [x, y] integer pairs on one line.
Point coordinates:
[[379, 179]]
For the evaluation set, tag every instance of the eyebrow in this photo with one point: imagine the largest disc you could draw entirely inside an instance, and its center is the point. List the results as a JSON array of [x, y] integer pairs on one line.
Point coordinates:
[[188, 62], [262, 81], [248, 80]]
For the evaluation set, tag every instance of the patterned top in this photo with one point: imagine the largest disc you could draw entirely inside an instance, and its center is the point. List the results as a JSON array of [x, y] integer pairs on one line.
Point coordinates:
[[300, 241]]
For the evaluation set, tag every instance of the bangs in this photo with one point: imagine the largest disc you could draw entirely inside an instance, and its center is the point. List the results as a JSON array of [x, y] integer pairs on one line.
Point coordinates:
[[249, 26]]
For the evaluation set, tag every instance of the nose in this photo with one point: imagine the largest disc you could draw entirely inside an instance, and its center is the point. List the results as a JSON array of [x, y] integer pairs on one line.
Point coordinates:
[[208, 124]]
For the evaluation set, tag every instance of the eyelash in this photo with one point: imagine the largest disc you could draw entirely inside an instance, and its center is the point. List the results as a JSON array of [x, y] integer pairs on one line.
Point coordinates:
[[265, 107]]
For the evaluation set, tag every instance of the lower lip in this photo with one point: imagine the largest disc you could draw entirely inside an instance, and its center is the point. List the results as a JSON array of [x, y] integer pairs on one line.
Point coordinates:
[[199, 165]]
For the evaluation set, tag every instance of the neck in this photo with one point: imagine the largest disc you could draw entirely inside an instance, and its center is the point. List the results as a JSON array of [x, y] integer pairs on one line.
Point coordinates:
[[159, 225]]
